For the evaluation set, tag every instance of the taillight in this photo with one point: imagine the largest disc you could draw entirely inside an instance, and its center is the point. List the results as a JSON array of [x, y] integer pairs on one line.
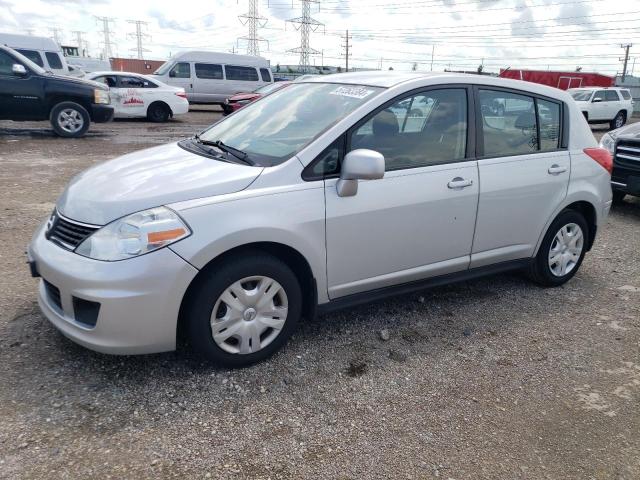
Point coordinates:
[[182, 95], [602, 156]]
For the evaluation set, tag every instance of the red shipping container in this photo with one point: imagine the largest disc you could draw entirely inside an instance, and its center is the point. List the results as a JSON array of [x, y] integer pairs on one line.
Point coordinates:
[[561, 80], [134, 65]]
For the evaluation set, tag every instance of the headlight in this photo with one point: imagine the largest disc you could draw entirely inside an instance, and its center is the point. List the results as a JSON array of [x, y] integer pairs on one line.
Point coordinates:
[[134, 235], [608, 142], [101, 96]]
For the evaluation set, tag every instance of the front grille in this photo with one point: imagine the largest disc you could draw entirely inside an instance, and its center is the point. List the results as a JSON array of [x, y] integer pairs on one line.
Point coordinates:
[[53, 293], [67, 233], [627, 155]]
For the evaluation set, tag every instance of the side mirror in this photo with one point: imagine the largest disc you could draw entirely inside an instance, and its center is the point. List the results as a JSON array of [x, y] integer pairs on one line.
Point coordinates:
[[596, 100], [361, 164], [19, 70]]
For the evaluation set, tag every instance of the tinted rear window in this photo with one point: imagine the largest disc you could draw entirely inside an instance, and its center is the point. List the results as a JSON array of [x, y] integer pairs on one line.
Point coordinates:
[[234, 72], [54, 60], [209, 71], [32, 55], [625, 94]]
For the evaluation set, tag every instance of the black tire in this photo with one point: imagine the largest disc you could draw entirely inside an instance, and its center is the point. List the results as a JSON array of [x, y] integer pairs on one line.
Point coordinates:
[[540, 271], [618, 121], [618, 196], [78, 127], [210, 287], [158, 112]]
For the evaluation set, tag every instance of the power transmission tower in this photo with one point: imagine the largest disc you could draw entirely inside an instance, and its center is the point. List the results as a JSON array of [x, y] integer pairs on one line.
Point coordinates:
[[106, 31], [253, 21], [139, 35], [56, 34], [83, 47], [347, 45], [305, 24], [626, 59]]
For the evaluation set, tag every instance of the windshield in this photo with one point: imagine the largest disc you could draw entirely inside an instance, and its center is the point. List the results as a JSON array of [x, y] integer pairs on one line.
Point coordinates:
[[164, 68], [28, 63], [581, 95], [272, 87], [280, 125]]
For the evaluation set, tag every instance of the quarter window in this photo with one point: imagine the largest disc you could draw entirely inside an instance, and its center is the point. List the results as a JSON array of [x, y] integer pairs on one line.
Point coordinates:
[[248, 74], [181, 70], [549, 119], [426, 129], [265, 74], [32, 55], [611, 96], [625, 94], [508, 123], [54, 60], [209, 71]]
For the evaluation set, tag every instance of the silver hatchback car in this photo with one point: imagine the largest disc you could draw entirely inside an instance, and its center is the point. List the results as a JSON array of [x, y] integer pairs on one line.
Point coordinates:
[[331, 192]]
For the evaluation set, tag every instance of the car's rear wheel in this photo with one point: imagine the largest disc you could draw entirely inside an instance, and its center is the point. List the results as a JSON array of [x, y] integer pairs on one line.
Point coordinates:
[[562, 250], [618, 121], [243, 310], [158, 112], [69, 119]]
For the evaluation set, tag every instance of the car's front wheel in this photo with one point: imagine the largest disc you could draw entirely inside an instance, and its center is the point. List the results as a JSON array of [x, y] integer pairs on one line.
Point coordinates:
[[562, 250], [243, 310], [70, 119]]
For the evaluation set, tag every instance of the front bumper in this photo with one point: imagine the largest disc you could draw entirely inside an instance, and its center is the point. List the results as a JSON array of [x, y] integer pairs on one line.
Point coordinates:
[[139, 298], [101, 113]]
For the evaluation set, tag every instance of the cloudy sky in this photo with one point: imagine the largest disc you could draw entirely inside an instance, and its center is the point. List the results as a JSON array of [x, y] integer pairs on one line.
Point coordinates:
[[462, 34]]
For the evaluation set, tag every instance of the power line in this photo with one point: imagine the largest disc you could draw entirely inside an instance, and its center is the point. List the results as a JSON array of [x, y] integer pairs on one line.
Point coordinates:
[[107, 44], [253, 21], [139, 35], [305, 24]]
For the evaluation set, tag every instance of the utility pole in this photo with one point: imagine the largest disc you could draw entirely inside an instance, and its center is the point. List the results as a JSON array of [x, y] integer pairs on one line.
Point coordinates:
[[139, 35], [433, 51], [626, 59], [305, 24], [346, 46], [107, 51], [253, 21], [56, 34], [82, 43]]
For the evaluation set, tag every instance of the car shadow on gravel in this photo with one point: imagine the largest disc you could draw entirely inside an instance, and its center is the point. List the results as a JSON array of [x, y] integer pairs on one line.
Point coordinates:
[[44, 133]]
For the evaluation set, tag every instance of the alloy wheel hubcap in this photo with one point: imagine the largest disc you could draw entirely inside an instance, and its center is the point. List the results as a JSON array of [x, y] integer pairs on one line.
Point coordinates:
[[566, 249], [249, 315], [70, 120], [619, 121]]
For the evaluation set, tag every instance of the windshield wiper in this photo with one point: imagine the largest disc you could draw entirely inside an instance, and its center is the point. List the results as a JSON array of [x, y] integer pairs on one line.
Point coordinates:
[[239, 154]]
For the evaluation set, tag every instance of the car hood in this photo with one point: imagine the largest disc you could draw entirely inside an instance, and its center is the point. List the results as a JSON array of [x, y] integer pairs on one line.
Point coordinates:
[[244, 96], [81, 81], [149, 178], [631, 131]]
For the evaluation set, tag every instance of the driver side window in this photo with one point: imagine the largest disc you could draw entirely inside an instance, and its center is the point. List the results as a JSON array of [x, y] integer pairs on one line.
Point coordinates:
[[181, 70], [6, 64]]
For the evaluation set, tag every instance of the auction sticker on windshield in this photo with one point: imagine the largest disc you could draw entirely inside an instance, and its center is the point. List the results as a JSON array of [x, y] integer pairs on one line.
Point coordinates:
[[355, 92]]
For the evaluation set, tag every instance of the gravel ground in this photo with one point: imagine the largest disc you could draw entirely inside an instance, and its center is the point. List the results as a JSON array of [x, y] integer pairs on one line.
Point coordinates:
[[494, 378]]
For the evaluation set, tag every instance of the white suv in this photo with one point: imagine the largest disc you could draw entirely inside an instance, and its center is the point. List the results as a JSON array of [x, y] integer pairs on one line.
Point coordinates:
[[604, 105], [333, 191]]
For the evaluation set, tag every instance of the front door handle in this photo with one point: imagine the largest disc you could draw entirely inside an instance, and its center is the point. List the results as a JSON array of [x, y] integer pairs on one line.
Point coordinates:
[[459, 182], [556, 169]]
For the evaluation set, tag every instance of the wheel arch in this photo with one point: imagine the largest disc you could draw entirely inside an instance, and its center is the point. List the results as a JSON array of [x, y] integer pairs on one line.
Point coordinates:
[[55, 100], [163, 103], [289, 255], [586, 208]]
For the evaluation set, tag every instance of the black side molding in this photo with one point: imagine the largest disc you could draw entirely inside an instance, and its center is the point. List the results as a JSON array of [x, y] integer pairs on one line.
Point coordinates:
[[381, 293]]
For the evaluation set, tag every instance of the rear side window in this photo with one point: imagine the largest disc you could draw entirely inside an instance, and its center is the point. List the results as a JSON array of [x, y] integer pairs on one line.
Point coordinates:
[[549, 119], [32, 55], [508, 123], [53, 59], [209, 71], [248, 74], [265, 74], [425, 129], [181, 70], [611, 96], [625, 94], [131, 82]]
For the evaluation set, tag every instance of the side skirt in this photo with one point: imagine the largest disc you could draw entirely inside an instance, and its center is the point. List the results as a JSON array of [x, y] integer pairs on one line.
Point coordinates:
[[381, 293]]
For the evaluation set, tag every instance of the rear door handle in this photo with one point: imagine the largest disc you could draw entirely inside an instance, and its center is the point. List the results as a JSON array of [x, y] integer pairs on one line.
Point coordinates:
[[556, 169], [459, 182]]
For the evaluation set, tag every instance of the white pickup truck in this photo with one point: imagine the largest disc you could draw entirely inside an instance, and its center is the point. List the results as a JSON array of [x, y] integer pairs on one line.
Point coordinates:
[[604, 105]]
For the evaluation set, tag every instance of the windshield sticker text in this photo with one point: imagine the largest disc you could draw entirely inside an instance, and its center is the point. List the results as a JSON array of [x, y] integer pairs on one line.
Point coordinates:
[[354, 92]]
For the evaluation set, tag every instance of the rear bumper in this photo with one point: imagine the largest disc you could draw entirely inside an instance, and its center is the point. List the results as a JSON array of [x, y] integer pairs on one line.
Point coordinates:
[[101, 113]]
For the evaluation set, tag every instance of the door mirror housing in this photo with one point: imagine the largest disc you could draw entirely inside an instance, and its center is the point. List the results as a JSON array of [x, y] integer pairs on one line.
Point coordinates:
[[360, 164], [19, 70]]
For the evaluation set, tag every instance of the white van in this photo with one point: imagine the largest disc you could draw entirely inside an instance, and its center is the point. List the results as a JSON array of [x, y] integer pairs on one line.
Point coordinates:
[[211, 77], [43, 51]]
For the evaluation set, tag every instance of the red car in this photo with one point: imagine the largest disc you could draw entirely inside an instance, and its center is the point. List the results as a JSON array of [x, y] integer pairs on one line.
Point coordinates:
[[239, 100]]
